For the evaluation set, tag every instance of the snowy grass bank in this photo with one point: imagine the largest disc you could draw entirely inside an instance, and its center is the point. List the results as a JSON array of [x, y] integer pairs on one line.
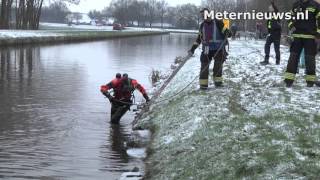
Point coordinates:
[[253, 128], [19, 37]]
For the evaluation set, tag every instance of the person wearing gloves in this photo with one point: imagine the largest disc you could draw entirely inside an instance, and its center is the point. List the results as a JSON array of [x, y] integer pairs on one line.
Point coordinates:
[[121, 100], [213, 37]]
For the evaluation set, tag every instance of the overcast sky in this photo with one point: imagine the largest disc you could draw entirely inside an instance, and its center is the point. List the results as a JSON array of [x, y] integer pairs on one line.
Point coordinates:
[[87, 5]]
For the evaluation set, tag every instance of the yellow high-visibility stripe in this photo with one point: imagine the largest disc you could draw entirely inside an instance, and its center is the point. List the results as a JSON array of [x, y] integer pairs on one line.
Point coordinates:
[[224, 29], [311, 78], [269, 25], [304, 36], [318, 31], [195, 43], [226, 23], [218, 79], [289, 76], [311, 9], [204, 82], [318, 15], [290, 24]]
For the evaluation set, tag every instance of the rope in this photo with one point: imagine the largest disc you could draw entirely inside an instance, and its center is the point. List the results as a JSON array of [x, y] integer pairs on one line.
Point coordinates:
[[189, 84], [145, 108], [184, 88]]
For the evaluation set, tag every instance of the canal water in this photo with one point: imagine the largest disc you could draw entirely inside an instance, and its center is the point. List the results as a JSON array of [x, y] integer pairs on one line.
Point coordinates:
[[54, 122]]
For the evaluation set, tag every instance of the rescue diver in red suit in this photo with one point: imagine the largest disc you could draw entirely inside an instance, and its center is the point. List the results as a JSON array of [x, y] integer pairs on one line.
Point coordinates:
[[121, 100]]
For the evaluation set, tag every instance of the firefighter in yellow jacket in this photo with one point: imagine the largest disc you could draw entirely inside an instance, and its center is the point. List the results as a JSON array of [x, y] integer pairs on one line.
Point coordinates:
[[304, 33], [212, 35]]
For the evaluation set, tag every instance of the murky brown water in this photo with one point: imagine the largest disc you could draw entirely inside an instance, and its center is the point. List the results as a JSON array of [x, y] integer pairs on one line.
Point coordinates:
[[54, 123]]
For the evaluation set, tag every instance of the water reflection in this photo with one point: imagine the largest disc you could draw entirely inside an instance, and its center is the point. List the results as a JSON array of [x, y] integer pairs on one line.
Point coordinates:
[[118, 137], [17, 64], [16, 77], [116, 150]]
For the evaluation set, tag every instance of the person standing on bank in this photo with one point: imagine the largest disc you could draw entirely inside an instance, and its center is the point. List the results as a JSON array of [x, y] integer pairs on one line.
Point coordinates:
[[213, 36], [274, 36], [305, 31]]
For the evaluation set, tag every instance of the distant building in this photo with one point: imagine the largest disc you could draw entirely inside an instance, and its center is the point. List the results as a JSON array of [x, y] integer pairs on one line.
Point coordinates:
[[110, 21], [79, 18]]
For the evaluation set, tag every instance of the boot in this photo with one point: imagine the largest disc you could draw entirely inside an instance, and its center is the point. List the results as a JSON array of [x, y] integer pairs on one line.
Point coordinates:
[[203, 87], [265, 62], [310, 84], [278, 62], [218, 84], [288, 83], [317, 83]]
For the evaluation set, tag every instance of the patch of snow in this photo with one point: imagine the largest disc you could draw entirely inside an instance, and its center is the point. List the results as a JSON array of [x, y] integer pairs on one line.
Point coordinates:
[[137, 153], [26, 33], [143, 133], [131, 176], [249, 127], [167, 139], [81, 27]]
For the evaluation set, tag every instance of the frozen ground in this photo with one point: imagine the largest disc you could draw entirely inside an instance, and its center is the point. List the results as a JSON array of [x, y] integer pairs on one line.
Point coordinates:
[[253, 128], [108, 28], [54, 30], [91, 27], [67, 27], [4, 34]]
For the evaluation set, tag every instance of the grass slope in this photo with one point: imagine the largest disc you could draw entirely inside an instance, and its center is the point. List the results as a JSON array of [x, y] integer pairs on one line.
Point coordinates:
[[253, 128]]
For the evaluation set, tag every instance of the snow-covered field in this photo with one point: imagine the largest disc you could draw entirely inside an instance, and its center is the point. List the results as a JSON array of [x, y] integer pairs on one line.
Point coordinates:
[[253, 128], [109, 28], [79, 27], [92, 27], [55, 29], [14, 37], [23, 34]]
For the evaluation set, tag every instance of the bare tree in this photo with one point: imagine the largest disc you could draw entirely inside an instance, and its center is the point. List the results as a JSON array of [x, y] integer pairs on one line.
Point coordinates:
[[119, 10], [6, 6], [187, 16], [97, 15], [162, 6], [55, 12], [151, 11], [27, 13]]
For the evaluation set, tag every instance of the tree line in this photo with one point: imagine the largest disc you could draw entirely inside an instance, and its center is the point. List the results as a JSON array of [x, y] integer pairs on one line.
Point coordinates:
[[144, 13], [56, 12], [22, 14], [26, 14]]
